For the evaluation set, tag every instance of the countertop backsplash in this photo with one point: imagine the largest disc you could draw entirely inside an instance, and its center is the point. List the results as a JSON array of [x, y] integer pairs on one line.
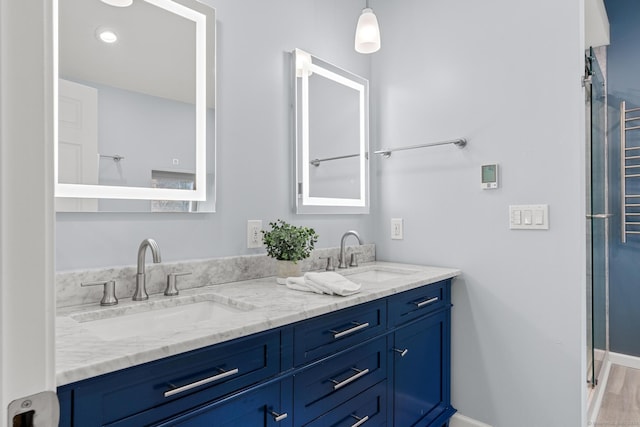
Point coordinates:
[[204, 272]]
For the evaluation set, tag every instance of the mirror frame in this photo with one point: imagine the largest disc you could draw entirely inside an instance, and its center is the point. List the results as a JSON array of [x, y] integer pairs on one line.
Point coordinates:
[[148, 193], [304, 65]]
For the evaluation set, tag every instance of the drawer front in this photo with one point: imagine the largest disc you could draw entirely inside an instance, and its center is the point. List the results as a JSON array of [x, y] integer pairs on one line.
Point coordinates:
[[335, 380], [194, 378], [368, 409], [325, 335], [267, 405], [412, 304], [260, 408]]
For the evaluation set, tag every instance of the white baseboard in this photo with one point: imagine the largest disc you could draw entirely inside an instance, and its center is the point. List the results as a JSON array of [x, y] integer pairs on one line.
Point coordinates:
[[624, 360], [597, 394], [459, 420]]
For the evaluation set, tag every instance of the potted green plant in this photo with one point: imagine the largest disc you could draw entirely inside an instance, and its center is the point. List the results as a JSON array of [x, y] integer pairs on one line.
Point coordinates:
[[288, 244]]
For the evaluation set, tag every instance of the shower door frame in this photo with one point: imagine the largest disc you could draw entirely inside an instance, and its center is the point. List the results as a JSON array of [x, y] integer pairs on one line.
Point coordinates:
[[596, 214]]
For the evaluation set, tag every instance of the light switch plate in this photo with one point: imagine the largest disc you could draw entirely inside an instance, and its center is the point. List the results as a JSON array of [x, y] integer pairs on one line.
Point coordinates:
[[397, 232], [529, 217]]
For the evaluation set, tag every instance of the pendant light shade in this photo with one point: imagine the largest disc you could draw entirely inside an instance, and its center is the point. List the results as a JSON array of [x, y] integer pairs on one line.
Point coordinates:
[[367, 32], [118, 3]]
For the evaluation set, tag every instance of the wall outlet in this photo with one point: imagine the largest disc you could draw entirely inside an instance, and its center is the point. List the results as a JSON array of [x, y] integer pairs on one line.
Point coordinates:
[[254, 233], [397, 232]]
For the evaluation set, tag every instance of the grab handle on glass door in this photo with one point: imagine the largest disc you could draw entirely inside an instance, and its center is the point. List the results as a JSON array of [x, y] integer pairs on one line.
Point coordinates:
[[600, 216]]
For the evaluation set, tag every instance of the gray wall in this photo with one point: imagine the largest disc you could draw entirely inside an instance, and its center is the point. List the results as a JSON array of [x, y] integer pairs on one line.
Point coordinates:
[[488, 72], [254, 167]]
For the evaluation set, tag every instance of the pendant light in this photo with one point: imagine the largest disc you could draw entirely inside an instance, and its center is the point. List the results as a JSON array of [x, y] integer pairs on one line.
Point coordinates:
[[367, 32]]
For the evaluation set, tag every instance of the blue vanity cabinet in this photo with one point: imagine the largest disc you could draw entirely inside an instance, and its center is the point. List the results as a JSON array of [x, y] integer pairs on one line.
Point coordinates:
[[420, 361], [381, 363]]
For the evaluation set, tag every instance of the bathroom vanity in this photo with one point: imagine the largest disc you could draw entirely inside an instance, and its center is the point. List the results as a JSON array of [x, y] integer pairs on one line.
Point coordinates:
[[289, 358]]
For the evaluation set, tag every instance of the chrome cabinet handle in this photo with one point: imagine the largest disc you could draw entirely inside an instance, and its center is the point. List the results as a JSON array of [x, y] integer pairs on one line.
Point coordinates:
[[359, 326], [403, 353], [360, 420], [278, 417], [359, 373], [220, 376], [426, 302]]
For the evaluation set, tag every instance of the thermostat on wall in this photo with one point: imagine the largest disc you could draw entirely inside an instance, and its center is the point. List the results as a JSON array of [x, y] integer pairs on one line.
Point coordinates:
[[489, 177]]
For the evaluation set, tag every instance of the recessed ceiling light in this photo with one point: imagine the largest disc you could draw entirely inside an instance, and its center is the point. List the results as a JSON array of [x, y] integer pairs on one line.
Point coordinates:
[[118, 3], [107, 36]]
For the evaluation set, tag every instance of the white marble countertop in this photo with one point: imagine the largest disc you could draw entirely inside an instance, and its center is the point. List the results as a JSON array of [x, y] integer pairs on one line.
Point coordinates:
[[259, 305]]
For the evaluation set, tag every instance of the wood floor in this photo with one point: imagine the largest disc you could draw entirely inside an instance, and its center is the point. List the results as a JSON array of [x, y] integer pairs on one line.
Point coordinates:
[[621, 402]]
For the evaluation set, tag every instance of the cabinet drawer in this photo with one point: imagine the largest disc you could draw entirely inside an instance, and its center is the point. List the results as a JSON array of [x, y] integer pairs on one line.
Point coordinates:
[[328, 334], [192, 379], [259, 408], [337, 379], [265, 405], [368, 409], [412, 304]]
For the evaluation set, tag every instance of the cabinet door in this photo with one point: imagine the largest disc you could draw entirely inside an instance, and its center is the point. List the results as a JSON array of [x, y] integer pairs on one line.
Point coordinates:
[[421, 372]]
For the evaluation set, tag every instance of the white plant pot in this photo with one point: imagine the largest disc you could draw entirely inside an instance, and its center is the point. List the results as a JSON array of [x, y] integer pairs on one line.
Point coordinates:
[[286, 269]]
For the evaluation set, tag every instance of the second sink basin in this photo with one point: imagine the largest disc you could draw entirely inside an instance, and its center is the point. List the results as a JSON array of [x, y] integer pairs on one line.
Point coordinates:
[[150, 317], [377, 273]]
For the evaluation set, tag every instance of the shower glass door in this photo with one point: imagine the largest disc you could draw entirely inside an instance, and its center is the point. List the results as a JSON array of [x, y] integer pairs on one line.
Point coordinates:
[[598, 221]]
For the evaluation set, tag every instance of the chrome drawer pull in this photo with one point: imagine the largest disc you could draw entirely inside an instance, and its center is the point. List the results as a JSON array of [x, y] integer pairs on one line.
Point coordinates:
[[360, 420], [426, 302], [278, 417], [403, 353], [220, 376], [356, 328], [359, 373]]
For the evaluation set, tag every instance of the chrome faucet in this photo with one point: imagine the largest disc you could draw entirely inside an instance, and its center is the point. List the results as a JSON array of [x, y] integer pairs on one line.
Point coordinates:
[[343, 257], [141, 288]]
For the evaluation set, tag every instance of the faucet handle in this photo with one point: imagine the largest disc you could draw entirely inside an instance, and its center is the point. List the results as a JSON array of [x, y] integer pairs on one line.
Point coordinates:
[[172, 283], [109, 293], [354, 259], [329, 266]]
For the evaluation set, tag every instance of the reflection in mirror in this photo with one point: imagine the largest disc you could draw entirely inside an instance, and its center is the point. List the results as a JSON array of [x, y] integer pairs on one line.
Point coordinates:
[[136, 114], [332, 137]]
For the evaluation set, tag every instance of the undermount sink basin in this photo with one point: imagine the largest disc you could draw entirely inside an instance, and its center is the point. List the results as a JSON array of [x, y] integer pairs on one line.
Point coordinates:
[[160, 316], [377, 274]]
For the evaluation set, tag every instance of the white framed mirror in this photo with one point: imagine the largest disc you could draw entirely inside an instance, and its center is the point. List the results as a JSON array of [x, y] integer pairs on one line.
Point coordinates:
[[332, 137], [136, 106]]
